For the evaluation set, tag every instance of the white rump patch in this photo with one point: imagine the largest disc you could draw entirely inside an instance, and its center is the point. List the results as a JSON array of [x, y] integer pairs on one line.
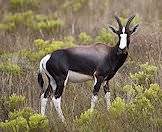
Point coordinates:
[[77, 77], [123, 39], [44, 61], [43, 69]]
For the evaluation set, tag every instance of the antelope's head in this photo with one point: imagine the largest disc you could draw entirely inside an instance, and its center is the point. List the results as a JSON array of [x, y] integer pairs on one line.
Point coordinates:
[[124, 32]]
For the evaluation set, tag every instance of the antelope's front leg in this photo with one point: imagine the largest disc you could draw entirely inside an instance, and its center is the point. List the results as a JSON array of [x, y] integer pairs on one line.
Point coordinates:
[[97, 84], [107, 94]]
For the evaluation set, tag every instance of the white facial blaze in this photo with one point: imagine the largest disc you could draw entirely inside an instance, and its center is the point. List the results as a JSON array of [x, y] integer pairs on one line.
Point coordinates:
[[123, 39]]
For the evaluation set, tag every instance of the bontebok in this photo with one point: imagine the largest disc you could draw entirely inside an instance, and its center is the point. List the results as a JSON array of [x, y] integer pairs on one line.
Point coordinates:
[[99, 62]]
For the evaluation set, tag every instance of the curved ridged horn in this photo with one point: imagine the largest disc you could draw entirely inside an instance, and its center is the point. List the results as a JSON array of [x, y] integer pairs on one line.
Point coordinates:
[[129, 21], [119, 22]]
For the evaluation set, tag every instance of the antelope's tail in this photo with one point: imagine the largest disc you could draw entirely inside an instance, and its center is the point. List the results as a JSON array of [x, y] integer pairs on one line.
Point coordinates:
[[40, 80], [40, 77]]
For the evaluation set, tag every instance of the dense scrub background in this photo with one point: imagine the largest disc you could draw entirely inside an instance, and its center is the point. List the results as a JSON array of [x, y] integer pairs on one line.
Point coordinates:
[[29, 29]]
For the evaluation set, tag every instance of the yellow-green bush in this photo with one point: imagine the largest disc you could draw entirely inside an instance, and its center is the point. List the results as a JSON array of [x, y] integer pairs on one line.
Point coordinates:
[[21, 5], [118, 106], [21, 118], [105, 36], [74, 5], [48, 25], [43, 48], [86, 117], [141, 80], [16, 102], [7, 27], [136, 20], [30, 20], [69, 41], [84, 38], [37, 121], [10, 68], [141, 112], [85, 121], [146, 76]]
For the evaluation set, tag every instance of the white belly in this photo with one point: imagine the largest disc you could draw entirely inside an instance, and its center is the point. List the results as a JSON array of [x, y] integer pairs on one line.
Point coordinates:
[[78, 77]]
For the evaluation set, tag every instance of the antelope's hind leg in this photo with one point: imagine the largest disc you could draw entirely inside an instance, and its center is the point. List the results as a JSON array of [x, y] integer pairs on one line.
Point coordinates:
[[107, 94], [60, 82], [44, 99], [97, 84]]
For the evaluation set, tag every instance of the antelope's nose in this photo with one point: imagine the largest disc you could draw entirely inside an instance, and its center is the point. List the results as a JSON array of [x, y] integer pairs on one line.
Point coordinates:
[[122, 51]]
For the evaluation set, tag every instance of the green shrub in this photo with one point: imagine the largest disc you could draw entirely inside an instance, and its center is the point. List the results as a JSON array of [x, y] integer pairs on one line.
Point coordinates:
[[154, 94], [85, 117], [17, 125], [84, 38], [16, 102], [24, 112], [23, 18], [32, 21], [38, 122], [21, 118], [43, 48], [85, 120], [10, 68], [118, 107], [140, 113], [48, 25], [69, 41], [144, 110], [135, 21], [146, 76], [105, 36], [7, 27], [74, 5], [21, 5]]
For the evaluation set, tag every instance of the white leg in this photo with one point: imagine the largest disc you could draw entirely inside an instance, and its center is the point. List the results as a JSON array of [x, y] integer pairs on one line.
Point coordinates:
[[94, 97], [57, 104], [93, 101], [43, 104], [107, 98]]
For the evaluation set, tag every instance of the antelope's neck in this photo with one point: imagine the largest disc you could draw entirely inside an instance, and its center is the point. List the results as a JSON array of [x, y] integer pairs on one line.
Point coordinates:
[[118, 59]]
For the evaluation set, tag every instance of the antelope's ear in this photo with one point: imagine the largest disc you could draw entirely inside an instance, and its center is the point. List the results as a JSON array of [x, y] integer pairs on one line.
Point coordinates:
[[113, 29], [134, 29]]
